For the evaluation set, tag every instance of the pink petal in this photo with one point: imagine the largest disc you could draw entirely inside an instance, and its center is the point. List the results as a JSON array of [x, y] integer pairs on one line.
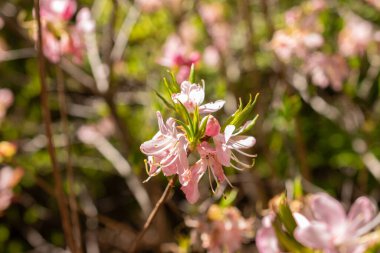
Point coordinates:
[[266, 240], [329, 211], [314, 235], [161, 124], [211, 107], [362, 211], [228, 131], [191, 189], [242, 142], [217, 170]]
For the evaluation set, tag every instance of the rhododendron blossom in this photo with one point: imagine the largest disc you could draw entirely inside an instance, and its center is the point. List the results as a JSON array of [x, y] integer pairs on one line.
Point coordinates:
[[327, 226], [59, 37], [225, 229], [169, 149], [192, 95]]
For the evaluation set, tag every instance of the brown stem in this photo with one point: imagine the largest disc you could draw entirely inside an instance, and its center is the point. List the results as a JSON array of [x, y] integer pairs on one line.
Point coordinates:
[[70, 173], [153, 214], [47, 122]]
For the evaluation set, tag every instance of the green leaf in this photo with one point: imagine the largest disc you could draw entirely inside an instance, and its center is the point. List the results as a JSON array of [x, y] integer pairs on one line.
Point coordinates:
[[192, 74], [297, 185], [285, 215], [202, 128], [242, 115], [167, 103], [288, 242], [229, 198]]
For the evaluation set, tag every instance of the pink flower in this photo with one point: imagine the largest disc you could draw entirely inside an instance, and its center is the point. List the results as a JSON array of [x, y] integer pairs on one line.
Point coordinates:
[[355, 36], [192, 95], [6, 100], [224, 231], [84, 21], [328, 228], [325, 70], [8, 179], [266, 240], [58, 10], [228, 141], [149, 5], [208, 161], [179, 54], [167, 151], [375, 3]]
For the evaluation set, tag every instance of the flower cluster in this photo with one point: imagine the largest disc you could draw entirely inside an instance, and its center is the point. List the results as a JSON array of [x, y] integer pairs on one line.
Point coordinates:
[[301, 42], [321, 224], [198, 135], [59, 37], [223, 230]]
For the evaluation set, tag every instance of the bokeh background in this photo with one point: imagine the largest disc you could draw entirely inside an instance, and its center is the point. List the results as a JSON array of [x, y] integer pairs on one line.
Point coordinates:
[[315, 63]]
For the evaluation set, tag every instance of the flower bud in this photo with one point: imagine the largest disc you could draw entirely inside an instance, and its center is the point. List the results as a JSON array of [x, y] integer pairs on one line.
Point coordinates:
[[212, 127]]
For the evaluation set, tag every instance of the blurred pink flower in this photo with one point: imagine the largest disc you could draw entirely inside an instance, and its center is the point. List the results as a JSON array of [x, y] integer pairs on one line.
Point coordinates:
[[149, 5], [8, 179], [84, 21], [224, 231], [327, 227], [167, 151], [289, 43], [327, 69], [177, 54], [266, 240], [6, 100], [57, 10], [192, 95], [375, 3], [355, 36]]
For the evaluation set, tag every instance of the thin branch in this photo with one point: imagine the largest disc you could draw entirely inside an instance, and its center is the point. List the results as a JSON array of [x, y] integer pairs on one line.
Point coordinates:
[[70, 173], [121, 165], [17, 54], [153, 214], [124, 33], [47, 122]]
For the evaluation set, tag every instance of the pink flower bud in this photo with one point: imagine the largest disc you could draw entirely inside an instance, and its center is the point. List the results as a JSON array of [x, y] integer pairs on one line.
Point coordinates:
[[212, 127]]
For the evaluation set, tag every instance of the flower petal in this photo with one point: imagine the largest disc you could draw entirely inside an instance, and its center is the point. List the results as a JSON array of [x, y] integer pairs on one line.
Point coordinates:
[[362, 211], [211, 107], [314, 235]]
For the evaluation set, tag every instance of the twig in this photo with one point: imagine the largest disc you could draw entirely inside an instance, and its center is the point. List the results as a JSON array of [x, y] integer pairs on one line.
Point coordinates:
[[153, 214], [124, 33], [70, 173], [47, 122], [122, 166], [17, 54]]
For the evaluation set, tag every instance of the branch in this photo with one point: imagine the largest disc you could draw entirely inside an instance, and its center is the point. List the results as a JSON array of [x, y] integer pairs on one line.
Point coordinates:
[[153, 214], [47, 122]]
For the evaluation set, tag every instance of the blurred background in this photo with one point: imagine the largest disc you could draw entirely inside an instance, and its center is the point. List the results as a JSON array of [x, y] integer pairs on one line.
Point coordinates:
[[315, 63]]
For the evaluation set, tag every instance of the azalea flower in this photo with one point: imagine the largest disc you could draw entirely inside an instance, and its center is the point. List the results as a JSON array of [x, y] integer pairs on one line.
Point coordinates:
[[180, 55], [327, 70], [209, 161], [327, 227], [229, 141], [8, 179], [225, 229], [192, 95], [57, 10], [266, 240], [59, 37], [167, 151], [355, 36]]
